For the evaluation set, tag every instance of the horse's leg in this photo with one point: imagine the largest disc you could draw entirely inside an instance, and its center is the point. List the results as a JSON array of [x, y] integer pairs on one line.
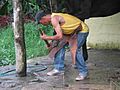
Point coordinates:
[[84, 50]]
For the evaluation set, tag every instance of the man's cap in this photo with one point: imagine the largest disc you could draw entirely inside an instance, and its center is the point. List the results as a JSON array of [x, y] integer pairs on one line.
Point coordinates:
[[39, 15]]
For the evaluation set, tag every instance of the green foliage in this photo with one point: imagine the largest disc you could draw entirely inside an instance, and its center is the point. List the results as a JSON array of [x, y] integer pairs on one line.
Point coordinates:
[[7, 50], [3, 7], [34, 45], [29, 7]]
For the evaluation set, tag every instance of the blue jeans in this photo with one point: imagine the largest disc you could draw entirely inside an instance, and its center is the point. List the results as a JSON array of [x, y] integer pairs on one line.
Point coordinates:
[[81, 65]]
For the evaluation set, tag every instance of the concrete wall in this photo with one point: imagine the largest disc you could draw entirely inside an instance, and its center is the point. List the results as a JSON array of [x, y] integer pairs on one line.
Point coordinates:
[[104, 32]]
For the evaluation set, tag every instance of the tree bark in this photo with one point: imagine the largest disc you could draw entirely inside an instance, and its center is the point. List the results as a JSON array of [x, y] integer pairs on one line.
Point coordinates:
[[19, 41]]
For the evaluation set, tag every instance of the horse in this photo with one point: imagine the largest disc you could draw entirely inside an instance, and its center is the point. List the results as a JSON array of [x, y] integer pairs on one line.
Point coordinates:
[[84, 9]]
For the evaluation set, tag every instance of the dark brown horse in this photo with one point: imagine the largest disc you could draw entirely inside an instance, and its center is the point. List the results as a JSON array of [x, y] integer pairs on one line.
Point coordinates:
[[84, 9]]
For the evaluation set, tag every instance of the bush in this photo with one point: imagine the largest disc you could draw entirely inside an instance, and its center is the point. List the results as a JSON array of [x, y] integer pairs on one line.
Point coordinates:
[[34, 45]]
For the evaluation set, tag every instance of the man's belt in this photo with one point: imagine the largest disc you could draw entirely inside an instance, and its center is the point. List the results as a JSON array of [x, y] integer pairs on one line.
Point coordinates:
[[76, 31]]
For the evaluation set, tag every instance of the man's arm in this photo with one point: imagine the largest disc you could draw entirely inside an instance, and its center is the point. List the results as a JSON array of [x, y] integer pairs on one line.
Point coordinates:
[[41, 33], [57, 28]]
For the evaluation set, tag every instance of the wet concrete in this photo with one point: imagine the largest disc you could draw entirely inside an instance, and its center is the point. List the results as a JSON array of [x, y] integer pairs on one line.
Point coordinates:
[[102, 64]]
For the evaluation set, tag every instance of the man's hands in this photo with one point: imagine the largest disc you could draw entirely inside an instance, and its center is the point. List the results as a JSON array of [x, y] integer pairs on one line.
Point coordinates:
[[43, 36]]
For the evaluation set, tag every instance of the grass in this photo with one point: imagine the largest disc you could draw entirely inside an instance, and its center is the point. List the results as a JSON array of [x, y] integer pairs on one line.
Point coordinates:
[[7, 52], [34, 45]]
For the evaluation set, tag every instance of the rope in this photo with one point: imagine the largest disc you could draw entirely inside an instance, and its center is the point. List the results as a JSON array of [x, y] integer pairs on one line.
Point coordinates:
[[13, 71]]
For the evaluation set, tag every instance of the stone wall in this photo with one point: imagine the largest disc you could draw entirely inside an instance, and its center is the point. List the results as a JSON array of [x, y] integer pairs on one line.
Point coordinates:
[[104, 32]]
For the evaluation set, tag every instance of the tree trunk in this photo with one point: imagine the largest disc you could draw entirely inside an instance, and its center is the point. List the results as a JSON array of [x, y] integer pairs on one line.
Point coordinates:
[[20, 49]]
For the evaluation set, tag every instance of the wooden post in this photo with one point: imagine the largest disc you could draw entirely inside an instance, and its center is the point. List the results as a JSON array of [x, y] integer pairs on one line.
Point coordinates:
[[20, 49]]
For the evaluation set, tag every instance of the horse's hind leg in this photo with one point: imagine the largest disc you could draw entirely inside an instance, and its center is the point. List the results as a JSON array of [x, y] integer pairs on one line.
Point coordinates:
[[84, 50]]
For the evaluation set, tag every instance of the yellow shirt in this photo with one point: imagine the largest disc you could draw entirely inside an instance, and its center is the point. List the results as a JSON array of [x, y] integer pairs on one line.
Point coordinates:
[[71, 23]]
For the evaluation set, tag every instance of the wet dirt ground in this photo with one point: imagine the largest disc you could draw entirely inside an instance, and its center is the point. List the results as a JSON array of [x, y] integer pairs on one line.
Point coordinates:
[[103, 65]]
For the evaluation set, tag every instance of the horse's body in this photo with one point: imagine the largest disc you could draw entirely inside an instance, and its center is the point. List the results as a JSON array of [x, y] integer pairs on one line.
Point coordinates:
[[84, 9], [91, 8]]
